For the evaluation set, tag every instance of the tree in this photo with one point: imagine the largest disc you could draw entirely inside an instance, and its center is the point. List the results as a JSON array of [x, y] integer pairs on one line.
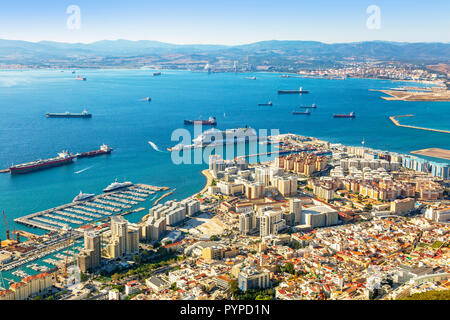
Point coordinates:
[[289, 268], [115, 277]]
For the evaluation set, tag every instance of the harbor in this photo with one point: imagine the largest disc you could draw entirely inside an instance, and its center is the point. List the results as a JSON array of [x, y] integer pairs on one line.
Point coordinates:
[[77, 214]]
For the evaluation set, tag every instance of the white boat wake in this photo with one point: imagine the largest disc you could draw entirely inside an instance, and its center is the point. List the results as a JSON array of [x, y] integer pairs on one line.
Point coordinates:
[[82, 170], [154, 146]]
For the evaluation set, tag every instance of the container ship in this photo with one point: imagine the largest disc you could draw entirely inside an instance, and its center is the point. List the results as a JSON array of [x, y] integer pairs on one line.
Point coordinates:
[[300, 90], [211, 122], [84, 114], [265, 104], [63, 158], [301, 112], [104, 149], [117, 185], [81, 78], [351, 115]]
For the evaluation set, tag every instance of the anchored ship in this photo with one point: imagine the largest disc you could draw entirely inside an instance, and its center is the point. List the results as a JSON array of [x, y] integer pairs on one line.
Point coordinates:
[[265, 104], [83, 196], [211, 121], [351, 115], [300, 90], [214, 137], [301, 112], [84, 114], [104, 149], [63, 158], [313, 106], [117, 185]]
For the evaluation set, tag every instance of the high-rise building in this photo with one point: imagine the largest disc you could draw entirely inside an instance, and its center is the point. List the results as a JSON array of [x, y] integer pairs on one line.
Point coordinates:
[[89, 257]]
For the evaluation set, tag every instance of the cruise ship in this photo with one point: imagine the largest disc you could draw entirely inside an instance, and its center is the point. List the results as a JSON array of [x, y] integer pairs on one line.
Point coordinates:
[[83, 196], [63, 158], [84, 114], [214, 137], [117, 185]]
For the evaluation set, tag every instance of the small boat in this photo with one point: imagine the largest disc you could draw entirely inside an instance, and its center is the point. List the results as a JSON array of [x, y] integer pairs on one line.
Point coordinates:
[[80, 78], [250, 78], [148, 99], [156, 74], [265, 104]]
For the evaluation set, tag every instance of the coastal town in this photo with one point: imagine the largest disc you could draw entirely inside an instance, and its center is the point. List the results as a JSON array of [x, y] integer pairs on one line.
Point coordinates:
[[318, 221]]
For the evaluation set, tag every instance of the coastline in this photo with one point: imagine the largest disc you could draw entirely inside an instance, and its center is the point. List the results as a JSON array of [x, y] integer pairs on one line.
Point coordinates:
[[209, 180]]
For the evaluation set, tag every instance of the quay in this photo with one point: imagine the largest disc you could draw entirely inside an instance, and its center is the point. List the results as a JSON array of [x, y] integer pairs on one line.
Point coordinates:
[[163, 196], [395, 121], [98, 208]]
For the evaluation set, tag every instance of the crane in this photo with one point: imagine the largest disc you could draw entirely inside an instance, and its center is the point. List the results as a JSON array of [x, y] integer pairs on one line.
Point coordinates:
[[6, 223]]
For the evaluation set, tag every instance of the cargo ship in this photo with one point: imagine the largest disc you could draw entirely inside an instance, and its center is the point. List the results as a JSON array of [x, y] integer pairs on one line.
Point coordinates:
[[301, 112], [83, 196], [63, 158], [313, 106], [156, 74], [351, 115], [81, 78], [265, 104], [84, 114], [104, 149], [211, 122], [117, 185], [300, 90]]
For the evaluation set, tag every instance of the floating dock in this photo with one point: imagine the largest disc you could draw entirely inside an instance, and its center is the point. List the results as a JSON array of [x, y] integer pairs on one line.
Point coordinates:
[[98, 208]]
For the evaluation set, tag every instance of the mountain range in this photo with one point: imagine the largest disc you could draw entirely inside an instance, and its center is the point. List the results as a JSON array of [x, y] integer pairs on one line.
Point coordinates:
[[138, 53]]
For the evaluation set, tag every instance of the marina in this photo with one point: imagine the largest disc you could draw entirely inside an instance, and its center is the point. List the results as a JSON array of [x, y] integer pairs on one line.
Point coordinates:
[[77, 214]]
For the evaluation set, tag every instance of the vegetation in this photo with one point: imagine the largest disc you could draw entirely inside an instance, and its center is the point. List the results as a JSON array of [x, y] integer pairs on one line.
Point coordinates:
[[430, 295]]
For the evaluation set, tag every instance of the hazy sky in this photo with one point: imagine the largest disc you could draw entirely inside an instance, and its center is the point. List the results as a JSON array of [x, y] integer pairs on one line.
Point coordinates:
[[227, 21]]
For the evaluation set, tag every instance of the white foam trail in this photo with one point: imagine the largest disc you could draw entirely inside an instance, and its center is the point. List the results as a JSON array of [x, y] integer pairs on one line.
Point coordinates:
[[154, 146], [82, 170]]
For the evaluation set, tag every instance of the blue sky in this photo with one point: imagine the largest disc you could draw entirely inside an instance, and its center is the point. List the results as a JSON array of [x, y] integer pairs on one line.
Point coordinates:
[[227, 21]]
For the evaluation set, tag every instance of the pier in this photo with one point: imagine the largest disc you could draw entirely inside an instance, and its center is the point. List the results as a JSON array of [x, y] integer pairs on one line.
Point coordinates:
[[97, 208], [395, 121], [163, 196]]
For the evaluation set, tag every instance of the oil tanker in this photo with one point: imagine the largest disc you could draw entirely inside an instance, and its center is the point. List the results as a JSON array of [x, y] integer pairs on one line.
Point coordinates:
[[63, 158], [84, 114], [351, 115], [300, 90], [211, 122], [104, 149]]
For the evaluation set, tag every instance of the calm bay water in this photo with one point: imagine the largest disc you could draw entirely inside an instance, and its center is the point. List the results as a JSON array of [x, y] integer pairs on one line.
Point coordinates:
[[122, 120]]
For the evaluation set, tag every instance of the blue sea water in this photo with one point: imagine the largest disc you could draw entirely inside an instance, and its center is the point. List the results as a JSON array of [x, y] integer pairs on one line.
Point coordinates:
[[122, 120]]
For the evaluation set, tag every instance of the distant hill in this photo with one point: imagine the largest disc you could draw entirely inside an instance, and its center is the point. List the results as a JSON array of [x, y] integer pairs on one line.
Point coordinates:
[[430, 295], [112, 53]]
